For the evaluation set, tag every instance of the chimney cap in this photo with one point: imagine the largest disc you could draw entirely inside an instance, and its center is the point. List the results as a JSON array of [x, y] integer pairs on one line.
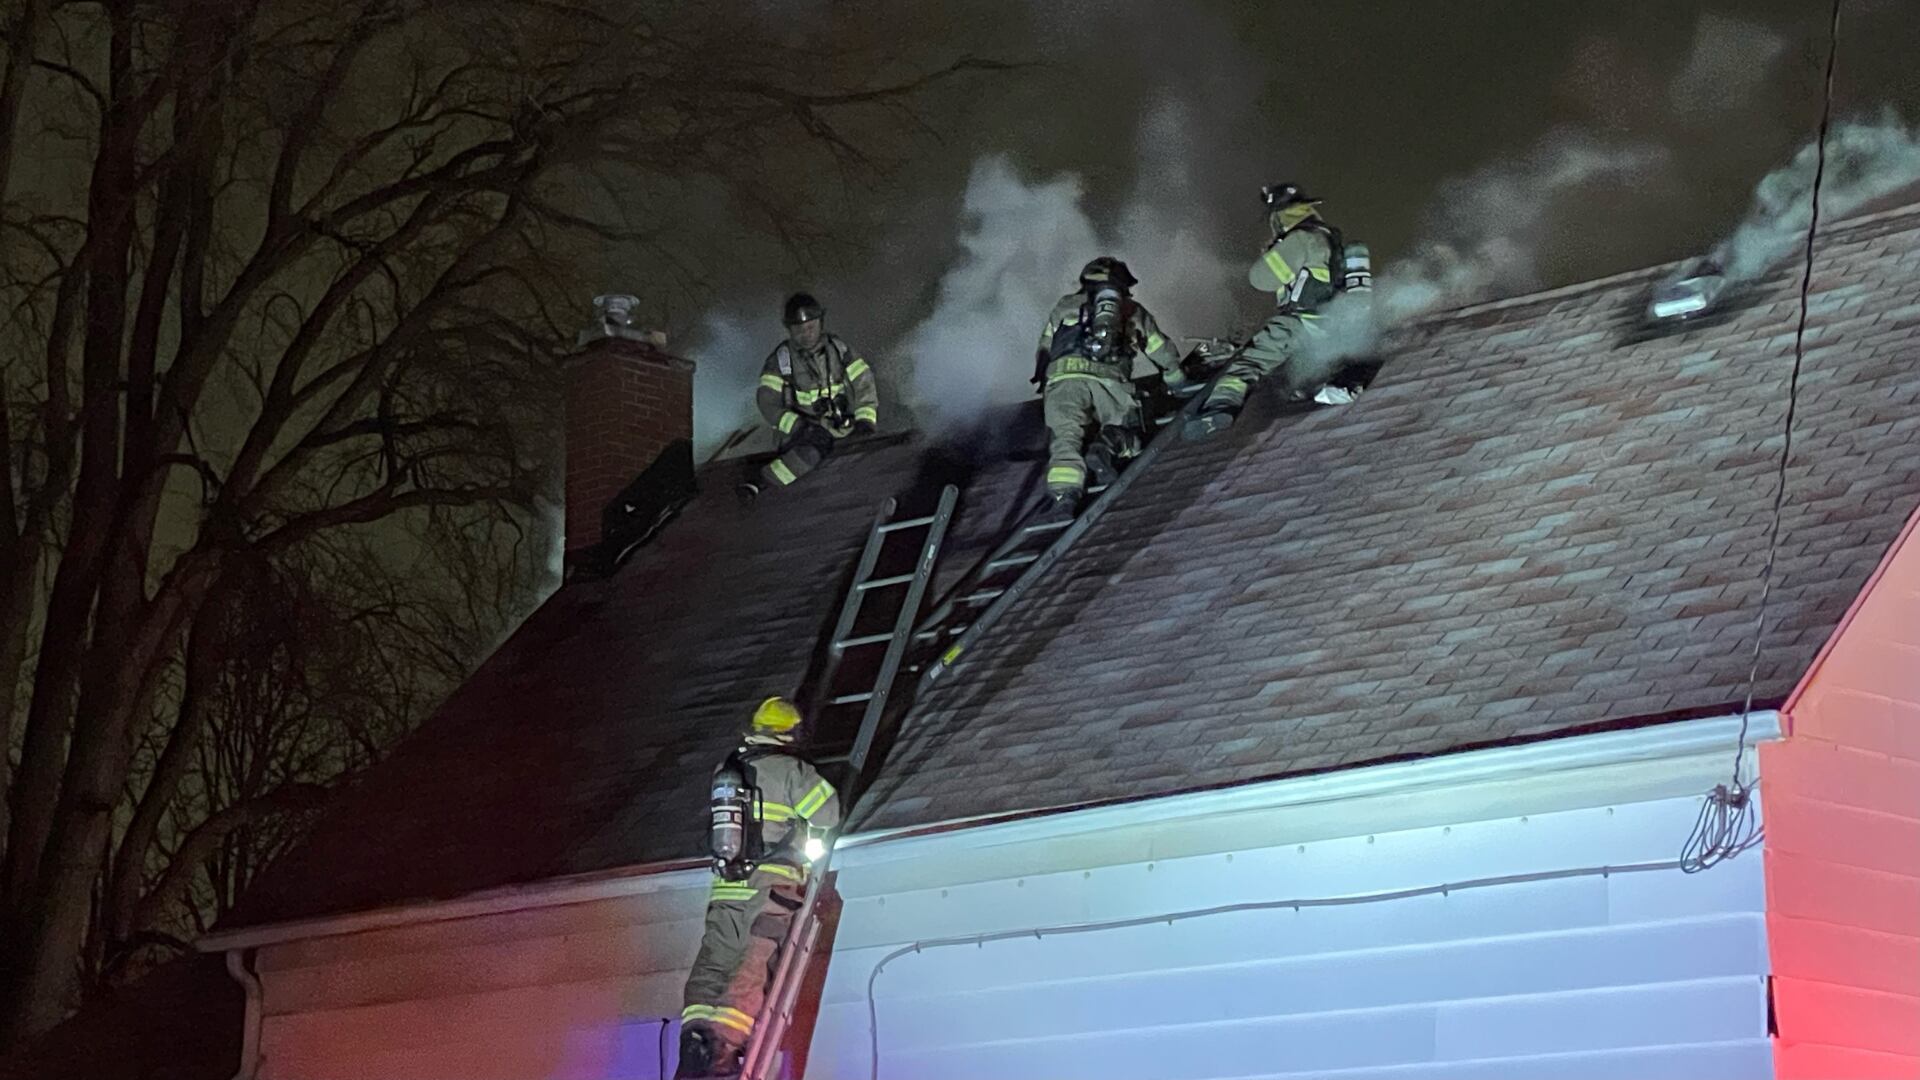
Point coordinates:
[[613, 319]]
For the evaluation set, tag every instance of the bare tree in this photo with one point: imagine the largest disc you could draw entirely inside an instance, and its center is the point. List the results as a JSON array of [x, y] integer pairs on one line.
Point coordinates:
[[288, 272]]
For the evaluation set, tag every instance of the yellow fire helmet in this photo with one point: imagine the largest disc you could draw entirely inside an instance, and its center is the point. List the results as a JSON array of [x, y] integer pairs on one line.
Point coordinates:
[[776, 715]]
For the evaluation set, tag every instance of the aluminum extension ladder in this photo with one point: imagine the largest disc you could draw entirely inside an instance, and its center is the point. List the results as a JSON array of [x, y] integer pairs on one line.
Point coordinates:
[[763, 1056], [863, 684]]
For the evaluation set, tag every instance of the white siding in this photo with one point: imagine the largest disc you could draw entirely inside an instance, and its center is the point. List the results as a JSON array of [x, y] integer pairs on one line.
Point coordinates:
[[1645, 975]]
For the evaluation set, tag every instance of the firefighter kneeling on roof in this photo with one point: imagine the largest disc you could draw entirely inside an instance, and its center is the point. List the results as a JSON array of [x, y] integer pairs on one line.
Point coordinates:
[[816, 391], [772, 814], [1304, 266]]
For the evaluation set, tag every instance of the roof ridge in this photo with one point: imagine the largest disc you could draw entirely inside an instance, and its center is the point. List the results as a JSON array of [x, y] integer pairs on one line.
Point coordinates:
[[1845, 224]]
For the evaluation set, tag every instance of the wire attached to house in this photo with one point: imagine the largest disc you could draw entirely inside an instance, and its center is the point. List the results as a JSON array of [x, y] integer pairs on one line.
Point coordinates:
[[1729, 821], [1351, 900]]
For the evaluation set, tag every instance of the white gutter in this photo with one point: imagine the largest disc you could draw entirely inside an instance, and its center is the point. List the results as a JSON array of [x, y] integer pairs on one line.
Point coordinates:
[[1671, 740], [239, 966]]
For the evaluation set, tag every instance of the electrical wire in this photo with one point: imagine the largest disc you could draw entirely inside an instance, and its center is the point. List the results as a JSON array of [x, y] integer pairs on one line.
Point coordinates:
[[1729, 821], [1042, 932]]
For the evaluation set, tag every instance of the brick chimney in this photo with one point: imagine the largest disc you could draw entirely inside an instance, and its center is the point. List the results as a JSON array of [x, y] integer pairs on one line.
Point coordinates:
[[627, 399]]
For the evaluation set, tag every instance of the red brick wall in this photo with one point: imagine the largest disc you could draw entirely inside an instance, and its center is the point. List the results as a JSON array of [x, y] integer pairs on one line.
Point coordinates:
[[1842, 806], [625, 402]]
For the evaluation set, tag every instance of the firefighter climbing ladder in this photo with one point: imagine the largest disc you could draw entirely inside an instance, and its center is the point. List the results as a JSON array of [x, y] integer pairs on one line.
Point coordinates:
[[868, 584]]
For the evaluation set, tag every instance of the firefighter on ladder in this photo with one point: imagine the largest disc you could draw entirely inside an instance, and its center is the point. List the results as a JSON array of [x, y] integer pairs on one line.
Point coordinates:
[[1299, 267], [771, 812], [815, 390], [1084, 366]]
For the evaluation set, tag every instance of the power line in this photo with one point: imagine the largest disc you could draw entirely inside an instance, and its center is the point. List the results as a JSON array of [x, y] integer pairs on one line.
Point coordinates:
[[1729, 821]]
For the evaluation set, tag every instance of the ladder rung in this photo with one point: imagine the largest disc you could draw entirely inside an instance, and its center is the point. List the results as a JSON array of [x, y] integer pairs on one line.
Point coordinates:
[[983, 594], [885, 582], [1095, 489], [909, 523], [1046, 526], [851, 699], [1012, 560], [869, 639]]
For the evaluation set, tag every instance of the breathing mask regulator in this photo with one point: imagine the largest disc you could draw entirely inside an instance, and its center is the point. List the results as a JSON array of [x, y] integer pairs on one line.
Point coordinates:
[[733, 832]]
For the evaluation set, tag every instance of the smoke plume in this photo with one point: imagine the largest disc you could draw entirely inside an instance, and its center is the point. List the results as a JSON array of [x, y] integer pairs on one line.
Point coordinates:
[[1019, 248], [727, 355], [1866, 160], [1482, 237]]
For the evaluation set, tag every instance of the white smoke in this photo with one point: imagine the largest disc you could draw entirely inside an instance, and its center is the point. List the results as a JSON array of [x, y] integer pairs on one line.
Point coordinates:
[[1730, 60], [1866, 160], [1021, 248], [1482, 236], [727, 353]]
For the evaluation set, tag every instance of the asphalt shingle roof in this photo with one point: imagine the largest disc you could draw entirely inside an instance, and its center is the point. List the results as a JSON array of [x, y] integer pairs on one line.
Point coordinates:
[[586, 741], [1538, 520]]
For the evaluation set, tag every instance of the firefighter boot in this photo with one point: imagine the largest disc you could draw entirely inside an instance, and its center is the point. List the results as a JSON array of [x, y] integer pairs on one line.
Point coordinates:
[[1101, 469], [1210, 422], [1061, 506]]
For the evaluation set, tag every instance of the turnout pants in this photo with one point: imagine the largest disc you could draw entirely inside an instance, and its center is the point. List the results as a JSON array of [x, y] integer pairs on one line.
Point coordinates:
[[1076, 408], [1272, 348], [802, 452], [746, 922]]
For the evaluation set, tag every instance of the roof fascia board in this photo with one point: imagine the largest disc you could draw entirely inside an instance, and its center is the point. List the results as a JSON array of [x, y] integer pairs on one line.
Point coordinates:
[[609, 885]]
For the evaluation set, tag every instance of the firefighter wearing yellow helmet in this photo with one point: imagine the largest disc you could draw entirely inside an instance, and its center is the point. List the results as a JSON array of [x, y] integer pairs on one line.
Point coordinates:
[[1085, 367], [815, 390], [772, 814], [1297, 267]]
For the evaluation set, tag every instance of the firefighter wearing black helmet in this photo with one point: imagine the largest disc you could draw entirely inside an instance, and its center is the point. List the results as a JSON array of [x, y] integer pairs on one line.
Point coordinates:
[[815, 390], [1297, 267], [1085, 367]]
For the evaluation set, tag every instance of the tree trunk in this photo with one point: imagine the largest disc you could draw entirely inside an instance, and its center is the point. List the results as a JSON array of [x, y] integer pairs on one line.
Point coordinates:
[[56, 911], [175, 763]]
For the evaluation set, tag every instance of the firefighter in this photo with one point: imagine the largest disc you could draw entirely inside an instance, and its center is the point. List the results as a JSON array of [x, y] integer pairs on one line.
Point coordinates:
[[1297, 266], [764, 841], [816, 390], [1085, 367]]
